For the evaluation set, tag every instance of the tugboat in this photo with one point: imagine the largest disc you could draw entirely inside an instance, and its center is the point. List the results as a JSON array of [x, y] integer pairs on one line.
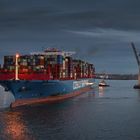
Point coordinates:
[[102, 83]]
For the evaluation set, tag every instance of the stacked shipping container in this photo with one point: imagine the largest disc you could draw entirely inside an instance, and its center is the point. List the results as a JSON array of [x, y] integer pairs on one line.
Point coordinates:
[[52, 66]]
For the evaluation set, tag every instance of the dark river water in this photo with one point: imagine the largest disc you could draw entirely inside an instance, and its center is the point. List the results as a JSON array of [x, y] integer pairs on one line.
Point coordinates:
[[111, 113]]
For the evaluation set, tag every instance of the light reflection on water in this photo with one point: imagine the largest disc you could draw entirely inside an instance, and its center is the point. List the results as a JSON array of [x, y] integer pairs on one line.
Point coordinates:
[[101, 91], [15, 127]]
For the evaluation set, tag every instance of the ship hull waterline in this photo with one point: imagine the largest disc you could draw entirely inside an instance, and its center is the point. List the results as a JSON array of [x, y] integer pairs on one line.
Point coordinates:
[[50, 99], [52, 91]]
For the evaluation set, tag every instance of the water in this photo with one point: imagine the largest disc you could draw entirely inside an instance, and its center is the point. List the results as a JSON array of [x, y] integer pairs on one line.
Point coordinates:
[[102, 114]]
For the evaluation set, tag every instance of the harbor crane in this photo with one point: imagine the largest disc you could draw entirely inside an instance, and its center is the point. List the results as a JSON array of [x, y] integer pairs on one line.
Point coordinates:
[[138, 62]]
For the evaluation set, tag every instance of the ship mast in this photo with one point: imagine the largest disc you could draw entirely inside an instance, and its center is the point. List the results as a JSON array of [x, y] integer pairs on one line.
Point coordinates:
[[138, 62], [16, 67]]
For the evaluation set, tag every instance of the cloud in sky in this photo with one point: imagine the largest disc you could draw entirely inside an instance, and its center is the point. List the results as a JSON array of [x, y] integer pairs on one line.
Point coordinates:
[[19, 14], [46, 20], [108, 33], [93, 28]]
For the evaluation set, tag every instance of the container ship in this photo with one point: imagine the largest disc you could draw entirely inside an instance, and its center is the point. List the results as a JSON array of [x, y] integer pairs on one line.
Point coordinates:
[[45, 77]]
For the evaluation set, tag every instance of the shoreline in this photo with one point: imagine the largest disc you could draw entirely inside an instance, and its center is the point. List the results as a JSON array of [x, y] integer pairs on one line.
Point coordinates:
[[116, 76]]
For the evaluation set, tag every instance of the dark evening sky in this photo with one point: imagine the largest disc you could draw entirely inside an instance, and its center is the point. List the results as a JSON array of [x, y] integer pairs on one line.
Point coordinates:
[[96, 29]]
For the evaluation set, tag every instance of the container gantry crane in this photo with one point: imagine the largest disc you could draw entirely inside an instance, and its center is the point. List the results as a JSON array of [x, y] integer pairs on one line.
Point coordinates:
[[138, 62]]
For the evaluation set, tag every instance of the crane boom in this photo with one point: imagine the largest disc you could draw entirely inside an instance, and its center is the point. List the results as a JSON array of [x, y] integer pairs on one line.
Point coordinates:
[[138, 62], [136, 55]]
